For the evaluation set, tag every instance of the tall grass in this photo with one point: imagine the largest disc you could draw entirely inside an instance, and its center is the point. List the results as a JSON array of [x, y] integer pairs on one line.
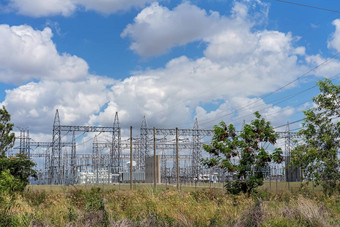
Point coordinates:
[[91, 206]]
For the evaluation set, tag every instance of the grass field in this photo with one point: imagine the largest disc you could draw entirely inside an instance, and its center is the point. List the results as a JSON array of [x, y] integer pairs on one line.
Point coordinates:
[[273, 186], [203, 205]]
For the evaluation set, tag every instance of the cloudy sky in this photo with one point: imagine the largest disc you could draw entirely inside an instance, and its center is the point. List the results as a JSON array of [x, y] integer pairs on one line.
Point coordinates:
[[168, 60]]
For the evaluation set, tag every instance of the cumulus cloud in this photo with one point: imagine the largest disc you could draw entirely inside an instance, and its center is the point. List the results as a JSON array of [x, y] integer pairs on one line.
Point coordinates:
[[329, 67], [156, 29], [227, 110], [43, 8], [334, 42], [236, 58], [169, 96], [33, 105], [27, 54], [40, 8]]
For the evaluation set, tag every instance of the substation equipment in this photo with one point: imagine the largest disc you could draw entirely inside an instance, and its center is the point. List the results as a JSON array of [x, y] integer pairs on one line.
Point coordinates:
[[108, 161]]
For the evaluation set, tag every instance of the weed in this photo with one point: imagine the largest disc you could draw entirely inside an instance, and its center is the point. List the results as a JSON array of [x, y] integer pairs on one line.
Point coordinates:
[[253, 216], [9, 220], [35, 198], [72, 215]]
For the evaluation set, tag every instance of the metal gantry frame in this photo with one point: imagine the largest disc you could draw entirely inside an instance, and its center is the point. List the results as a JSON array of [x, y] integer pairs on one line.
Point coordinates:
[[63, 160]]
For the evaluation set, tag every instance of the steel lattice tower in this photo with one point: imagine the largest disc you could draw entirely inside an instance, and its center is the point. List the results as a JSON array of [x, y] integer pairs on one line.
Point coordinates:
[[73, 158], [27, 146], [196, 151], [163, 166], [174, 166], [115, 150], [56, 151], [143, 153]]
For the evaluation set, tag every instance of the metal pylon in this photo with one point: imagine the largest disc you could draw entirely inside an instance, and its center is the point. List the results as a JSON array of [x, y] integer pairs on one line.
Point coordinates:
[[174, 166], [56, 152], [73, 159], [27, 146], [96, 160], [196, 152], [163, 166], [115, 150], [143, 153]]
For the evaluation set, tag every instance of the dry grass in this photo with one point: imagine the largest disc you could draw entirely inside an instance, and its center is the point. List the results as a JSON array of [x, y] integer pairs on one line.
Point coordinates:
[[82, 206]]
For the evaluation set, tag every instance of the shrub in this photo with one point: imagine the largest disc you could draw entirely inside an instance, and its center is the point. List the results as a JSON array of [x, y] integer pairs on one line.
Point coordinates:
[[10, 184]]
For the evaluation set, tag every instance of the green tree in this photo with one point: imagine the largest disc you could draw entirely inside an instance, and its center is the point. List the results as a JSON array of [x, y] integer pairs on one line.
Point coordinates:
[[8, 183], [7, 137], [317, 151], [18, 166], [244, 154]]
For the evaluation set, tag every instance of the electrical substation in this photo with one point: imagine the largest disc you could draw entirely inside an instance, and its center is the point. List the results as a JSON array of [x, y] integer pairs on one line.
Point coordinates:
[[158, 155]]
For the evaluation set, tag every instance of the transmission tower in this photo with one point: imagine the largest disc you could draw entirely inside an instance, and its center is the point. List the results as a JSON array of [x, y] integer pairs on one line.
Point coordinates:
[[73, 158], [56, 151], [115, 150], [196, 151], [144, 152]]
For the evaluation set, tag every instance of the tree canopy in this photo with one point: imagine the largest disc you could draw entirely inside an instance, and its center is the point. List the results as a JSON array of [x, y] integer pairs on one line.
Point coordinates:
[[243, 153], [317, 153], [7, 137], [15, 171]]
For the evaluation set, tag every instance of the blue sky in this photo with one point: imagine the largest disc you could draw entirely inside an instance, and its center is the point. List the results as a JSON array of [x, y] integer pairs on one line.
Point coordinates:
[[170, 61]]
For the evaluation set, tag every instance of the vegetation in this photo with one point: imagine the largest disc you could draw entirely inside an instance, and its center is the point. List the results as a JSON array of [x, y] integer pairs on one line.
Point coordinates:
[[14, 171], [317, 152], [75, 206], [20, 168], [243, 154], [7, 137]]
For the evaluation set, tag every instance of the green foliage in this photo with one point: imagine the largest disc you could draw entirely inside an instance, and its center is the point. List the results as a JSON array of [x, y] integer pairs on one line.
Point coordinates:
[[8, 183], [243, 154], [91, 200], [20, 167], [317, 153], [9, 220], [7, 137], [14, 170]]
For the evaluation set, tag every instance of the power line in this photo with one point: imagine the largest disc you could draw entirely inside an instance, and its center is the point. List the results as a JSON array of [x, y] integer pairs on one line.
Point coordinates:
[[283, 99], [302, 119], [273, 92], [314, 7], [290, 123]]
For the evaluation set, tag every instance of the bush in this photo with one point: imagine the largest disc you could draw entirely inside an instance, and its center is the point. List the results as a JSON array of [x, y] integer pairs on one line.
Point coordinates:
[[10, 184]]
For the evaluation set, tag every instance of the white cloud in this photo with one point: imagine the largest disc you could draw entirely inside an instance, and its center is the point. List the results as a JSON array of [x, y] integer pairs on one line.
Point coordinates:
[[167, 96], [329, 67], [27, 54], [334, 42], [43, 8], [156, 29], [33, 105], [227, 110]]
